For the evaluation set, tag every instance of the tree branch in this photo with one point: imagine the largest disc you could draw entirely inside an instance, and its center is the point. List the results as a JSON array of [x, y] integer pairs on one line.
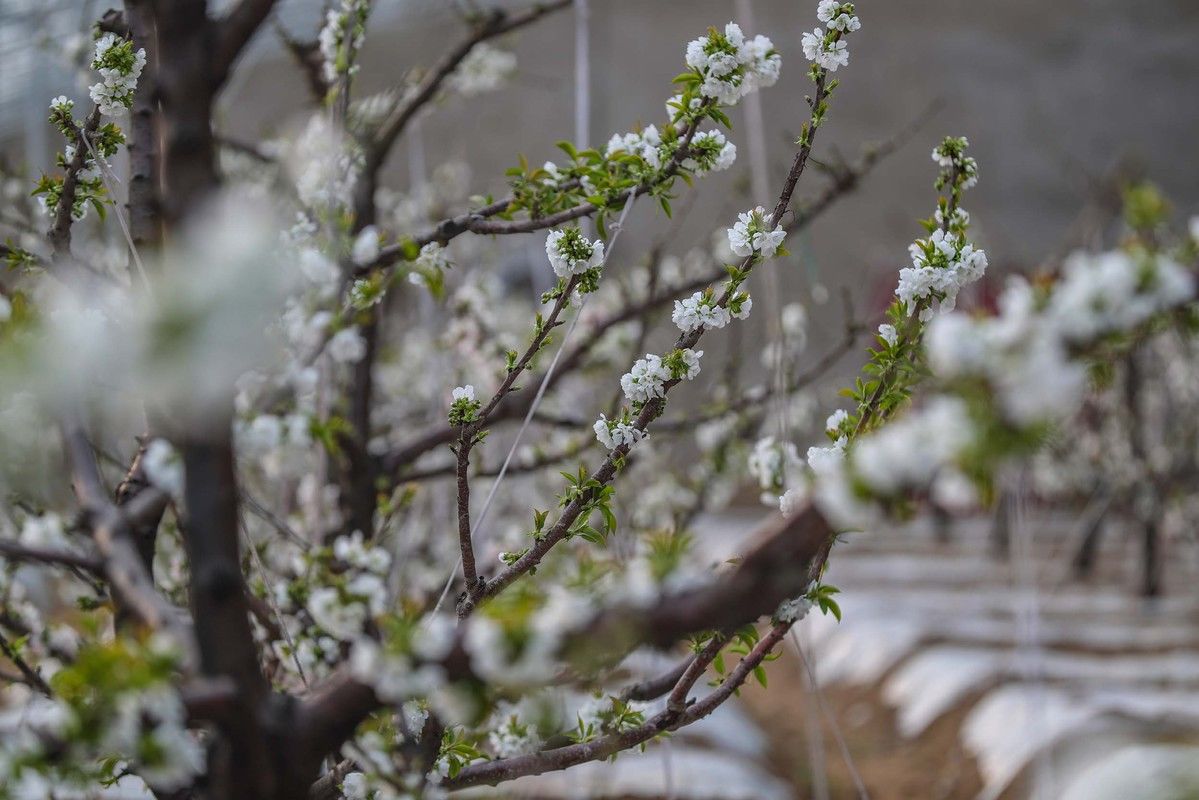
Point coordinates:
[[244, 760], [653, 688], [233, 33], [307, 54], [15, 551], [144, 203], [59, 234], [478, 221], [466, 545], [112, 531], [28, 673], [516, 406], [673, 717], [495, 23], [651, 410], [789, 553]]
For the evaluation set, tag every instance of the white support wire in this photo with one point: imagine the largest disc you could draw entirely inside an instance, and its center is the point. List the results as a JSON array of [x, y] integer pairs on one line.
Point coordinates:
[[667, 771], [582, 73], [270, 600], [842, 745], [756, 140], [582, 9], [1029, 651], [582, 136], [755, 129], [616, 230], [107, 176], [817, 756], [755, 134]]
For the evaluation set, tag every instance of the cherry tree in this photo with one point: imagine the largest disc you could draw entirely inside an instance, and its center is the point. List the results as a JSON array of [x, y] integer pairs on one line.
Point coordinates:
[[299, 502]]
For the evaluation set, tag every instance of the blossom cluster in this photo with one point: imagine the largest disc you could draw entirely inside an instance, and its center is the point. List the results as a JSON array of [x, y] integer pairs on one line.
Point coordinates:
[[1024, 351], [769, 464], [100, 143], [646, 143], [942, 265], [731, 66], [703, 310], [755, 234], [683, 364], [945, 262], [113, 715], [405, 663], [794, 609], [838, 428], [484, 69], [571, 253], [888, 334], [341, 37], [957, 168], [464, 405], [646, 380], [823, 459], [326, 166], [1015, 372], [708, 151], [700, 310], [838, 16], [617, 432], [119, 67], [428, 269], [648, 377], [828, 50], [512, 732]]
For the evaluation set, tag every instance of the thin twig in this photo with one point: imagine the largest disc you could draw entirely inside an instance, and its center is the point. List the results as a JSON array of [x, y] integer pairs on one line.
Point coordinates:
[[670, 718], [59, 234], [651, 410], [19, 552], [31, 676], [407, 453]]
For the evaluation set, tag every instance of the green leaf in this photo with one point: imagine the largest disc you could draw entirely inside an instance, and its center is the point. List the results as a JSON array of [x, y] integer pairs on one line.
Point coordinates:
[[609, 520], [568, 148], [829, 606], [760, 674]]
